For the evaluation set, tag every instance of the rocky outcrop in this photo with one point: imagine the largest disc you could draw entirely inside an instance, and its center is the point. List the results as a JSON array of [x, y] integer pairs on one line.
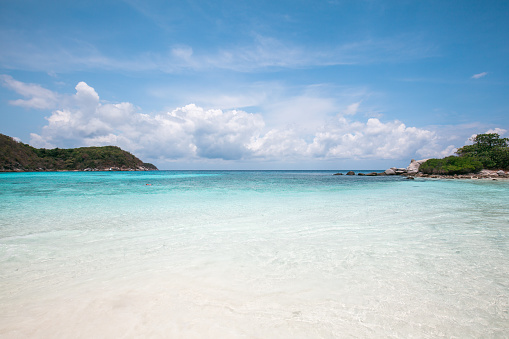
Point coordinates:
[[144, 167], [412, 171], [484, 174], [413, 168], [371, 174]]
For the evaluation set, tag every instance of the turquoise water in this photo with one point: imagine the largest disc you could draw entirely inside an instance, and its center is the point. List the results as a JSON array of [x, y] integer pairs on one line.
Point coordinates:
[[286, 254]]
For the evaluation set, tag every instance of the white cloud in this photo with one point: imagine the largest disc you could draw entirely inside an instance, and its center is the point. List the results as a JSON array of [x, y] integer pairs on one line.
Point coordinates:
[[38, 141], [193, 133], [370, 140], [182, 52], [499, 131], [450, 150], [279, 144], [306, 111], [479, 75], [185, 132], [38, 97], [219, 134], [269, 52], [43, 52], [352, 108]]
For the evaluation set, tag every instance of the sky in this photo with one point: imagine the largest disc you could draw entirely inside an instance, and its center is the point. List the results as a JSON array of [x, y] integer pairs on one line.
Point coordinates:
[[318, 84]]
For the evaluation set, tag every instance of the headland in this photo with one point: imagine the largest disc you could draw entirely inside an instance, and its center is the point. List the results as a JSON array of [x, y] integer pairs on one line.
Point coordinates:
[[19, 157]]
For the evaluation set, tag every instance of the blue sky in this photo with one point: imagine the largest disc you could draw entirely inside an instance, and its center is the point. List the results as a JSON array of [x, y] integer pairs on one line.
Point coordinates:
[[256, 84]]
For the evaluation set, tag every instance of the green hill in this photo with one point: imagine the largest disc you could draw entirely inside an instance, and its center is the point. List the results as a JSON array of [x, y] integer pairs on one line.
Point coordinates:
[[16, 156]]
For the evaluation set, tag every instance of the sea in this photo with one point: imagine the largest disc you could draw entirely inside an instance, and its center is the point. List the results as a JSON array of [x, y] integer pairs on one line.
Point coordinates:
[[252, 254]]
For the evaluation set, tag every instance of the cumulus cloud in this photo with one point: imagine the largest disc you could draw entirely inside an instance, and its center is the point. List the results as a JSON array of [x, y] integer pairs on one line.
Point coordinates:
[[499, 131], [479, 75], [450, 150], [279, 144], [193, 133], [308, 110], [185, 132], [372, 139]]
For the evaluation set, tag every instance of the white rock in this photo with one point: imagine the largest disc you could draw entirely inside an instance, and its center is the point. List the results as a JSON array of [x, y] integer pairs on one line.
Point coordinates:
[[414, 165], [390, 171]]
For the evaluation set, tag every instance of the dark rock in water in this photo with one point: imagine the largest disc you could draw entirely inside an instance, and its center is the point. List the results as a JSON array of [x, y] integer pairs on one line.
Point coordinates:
[[372, 174], [361, 174], [351, 173], [410, 178], [338, 174]]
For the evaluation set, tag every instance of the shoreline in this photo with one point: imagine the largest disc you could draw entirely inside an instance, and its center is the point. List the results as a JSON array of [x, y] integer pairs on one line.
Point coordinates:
[[484, 174], [413, 171], [110, 169], [461, 177]]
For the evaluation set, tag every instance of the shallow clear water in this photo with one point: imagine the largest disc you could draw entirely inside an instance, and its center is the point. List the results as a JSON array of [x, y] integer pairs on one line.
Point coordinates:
[[287, 254]]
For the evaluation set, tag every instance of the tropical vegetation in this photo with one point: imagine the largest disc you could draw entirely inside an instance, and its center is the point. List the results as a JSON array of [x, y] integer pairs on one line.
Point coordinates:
[[17, 156], [488, 151], [451, 165]]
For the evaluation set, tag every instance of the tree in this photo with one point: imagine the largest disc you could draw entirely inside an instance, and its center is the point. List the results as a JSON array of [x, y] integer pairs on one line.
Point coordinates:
[[489, 148]]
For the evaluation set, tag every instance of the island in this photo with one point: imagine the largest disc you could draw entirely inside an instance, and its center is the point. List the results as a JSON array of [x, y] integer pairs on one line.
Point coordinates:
[[16, 156], [486, 158]]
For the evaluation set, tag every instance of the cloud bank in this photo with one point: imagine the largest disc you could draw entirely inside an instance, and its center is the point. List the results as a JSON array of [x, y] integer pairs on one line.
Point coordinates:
[[193, 133]]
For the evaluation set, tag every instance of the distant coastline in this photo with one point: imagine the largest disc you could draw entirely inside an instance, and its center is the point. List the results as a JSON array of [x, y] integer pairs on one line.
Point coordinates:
[[19, 157], [412, 172], [486, 158]]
